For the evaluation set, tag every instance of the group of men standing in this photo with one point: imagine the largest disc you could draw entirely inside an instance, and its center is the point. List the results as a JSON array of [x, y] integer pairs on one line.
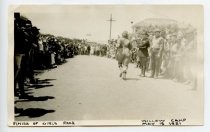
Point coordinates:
[[34, 51], [25, 44], [146, 51], [170, 55]]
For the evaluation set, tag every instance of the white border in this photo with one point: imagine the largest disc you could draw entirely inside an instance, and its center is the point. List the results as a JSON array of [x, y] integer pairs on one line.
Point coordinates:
[[4, 4]]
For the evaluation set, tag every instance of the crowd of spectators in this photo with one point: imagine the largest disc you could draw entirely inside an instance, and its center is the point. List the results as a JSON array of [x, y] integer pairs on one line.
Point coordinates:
[[178, 59], [36, 51], [179, 56]]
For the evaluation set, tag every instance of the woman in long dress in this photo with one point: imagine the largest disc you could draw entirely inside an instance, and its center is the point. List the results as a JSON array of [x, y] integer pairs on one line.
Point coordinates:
[[123, 54]]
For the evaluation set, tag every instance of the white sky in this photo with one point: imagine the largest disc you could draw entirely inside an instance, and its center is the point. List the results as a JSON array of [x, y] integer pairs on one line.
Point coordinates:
[[78, 21]]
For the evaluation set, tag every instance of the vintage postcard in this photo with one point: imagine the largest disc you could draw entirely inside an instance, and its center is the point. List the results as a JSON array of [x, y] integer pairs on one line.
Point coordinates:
[[102, 65]]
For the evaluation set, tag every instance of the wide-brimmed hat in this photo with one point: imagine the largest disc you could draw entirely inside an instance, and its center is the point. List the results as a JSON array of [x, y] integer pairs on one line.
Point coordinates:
[[35, 28]]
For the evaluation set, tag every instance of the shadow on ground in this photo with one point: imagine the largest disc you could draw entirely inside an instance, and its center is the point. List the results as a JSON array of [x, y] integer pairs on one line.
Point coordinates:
[[45, 81], [134, 79], [41, 84], [28, 97], [32, 98], [32, 112]]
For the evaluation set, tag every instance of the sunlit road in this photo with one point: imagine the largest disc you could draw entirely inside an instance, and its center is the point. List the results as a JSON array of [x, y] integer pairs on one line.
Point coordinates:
[[89, 88]]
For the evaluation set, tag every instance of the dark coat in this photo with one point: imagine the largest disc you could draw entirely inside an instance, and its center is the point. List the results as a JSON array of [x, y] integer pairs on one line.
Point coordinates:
[[143, 48]]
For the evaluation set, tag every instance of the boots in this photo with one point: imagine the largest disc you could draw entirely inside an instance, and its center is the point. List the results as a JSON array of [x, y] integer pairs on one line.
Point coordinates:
[[124, 72], [124, 75], [142, 72], [121, 71]]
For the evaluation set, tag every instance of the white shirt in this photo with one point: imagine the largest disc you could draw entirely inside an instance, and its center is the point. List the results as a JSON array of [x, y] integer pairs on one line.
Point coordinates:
[[41, 47], [156, 42]]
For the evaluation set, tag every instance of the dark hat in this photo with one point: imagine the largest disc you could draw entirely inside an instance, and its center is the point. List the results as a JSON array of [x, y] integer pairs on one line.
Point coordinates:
[[17, 15], [35, 28], [144, 33]]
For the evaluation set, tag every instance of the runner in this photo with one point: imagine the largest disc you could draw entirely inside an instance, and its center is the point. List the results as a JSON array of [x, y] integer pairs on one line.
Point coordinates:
[[123, 54]]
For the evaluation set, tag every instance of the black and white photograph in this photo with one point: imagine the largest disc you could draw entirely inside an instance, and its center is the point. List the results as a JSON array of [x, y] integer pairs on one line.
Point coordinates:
[[98, 65]]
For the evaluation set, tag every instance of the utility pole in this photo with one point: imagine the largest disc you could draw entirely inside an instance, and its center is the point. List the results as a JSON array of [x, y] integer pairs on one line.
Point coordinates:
[[132, 26], [110, 32]]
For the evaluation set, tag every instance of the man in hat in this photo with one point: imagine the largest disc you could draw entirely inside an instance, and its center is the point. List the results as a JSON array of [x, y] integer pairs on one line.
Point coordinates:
[[32, 36], [156, 50], [20, 50], [143, 44]]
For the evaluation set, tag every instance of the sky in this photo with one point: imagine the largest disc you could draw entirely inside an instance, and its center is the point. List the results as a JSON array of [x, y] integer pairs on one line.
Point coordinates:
[[77, 21]]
